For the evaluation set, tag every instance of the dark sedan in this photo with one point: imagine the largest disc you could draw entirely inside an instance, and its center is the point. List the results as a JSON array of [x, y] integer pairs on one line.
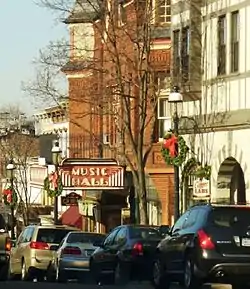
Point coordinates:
[[126, 253]]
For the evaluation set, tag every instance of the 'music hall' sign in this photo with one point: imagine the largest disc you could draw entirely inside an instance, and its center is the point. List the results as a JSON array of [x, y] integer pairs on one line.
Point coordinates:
[[95, 175]]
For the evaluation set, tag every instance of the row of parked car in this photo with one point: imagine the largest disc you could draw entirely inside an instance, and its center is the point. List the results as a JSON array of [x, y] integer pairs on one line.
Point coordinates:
[[207, 243]]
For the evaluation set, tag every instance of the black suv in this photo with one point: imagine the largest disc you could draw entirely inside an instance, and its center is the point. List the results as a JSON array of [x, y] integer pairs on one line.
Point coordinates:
[[207, 243]]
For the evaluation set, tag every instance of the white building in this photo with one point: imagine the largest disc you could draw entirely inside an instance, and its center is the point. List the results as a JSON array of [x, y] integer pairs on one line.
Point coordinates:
[[212, 48], [54, 120]]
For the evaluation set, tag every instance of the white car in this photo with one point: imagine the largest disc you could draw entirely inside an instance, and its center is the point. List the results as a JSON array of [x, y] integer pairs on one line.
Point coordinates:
[[71, 257]]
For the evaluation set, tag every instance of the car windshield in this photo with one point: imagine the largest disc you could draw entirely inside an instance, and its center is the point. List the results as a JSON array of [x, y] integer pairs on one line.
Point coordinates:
[[144, 233], [84, 238], [230, 217], [53, 236]]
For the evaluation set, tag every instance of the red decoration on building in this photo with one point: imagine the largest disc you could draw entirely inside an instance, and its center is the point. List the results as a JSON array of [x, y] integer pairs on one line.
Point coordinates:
[[53, 179], [8, 194], [170, 144]]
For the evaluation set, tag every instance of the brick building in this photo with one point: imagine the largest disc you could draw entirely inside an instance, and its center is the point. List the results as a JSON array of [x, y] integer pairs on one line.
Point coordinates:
[[91, 72]]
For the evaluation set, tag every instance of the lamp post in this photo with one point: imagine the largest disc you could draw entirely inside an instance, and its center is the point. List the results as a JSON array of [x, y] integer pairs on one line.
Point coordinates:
[[56, 152], [10, 167], [175, 98]]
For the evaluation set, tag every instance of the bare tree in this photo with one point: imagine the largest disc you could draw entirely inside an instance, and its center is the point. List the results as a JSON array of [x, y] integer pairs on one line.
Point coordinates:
[[18, 144], [123, 92]]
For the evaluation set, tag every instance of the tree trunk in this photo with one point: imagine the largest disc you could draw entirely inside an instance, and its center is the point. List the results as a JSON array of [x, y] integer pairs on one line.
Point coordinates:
[[142, 194]]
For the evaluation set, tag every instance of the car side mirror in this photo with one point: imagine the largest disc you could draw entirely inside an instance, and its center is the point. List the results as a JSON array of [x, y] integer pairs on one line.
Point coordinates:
[[54, 247], [13, 243], [165, 230]]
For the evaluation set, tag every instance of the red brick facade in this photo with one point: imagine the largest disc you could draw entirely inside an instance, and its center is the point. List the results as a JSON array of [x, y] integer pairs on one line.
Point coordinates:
[[86, 89]]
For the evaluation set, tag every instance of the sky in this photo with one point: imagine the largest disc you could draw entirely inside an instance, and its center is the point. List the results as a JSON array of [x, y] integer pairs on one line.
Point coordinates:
[[25, 28]]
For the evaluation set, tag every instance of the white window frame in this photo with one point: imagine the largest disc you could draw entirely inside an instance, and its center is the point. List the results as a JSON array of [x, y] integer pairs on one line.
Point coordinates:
[[164, 4], [167, 117]]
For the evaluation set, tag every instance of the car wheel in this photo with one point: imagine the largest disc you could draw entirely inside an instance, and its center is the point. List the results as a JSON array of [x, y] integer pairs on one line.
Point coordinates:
[[50, 275], [121, 274], [190, 281], [61, 276], [95, 273], [160, 279], [11, 276], [25, 276]]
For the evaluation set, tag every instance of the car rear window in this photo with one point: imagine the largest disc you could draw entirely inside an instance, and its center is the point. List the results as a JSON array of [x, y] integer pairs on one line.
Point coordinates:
[[84, 238], [53, 236], [229, 217], [144, 233]]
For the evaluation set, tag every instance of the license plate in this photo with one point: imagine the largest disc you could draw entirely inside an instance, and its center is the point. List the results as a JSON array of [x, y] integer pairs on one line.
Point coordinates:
[[245, 242]]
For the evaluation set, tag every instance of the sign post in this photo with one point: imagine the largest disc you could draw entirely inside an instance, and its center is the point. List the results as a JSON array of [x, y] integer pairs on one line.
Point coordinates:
[[201, 190]]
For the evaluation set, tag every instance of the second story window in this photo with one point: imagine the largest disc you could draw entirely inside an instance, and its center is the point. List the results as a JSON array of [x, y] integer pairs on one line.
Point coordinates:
[[222, 37], [163, 11], [164, 116], [185, 53], [235, 35], [176, 53]]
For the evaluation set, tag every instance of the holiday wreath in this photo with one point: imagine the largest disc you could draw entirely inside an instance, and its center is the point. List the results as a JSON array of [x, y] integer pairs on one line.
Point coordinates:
[[53, 185], [174, 149], [10, 197]]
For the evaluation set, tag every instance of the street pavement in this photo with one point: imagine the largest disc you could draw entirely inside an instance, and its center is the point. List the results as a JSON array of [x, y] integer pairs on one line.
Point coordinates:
[[45, 285], [132, 285]]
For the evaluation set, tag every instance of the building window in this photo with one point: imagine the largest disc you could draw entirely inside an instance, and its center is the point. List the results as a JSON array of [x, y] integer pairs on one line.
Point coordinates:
[[222, 45], [164, 116], [235, 35], [163, 11], [185, 53], [176, 53]]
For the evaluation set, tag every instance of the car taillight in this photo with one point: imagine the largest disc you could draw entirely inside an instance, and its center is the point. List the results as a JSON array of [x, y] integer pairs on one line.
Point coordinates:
[[137, 249], [8, 244], [205, 241], [71, 251], [39, 245]]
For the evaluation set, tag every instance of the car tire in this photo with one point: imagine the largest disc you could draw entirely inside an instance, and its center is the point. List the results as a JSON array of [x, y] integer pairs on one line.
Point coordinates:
[[121, 274], [25, 275], [50, 275], [190, 281], [95, 273], [160, 279], [61, 276], [11, 276]]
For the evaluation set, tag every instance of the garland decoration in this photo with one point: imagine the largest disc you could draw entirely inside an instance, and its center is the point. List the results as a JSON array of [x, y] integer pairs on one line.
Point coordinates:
[[203, 172], [53, 185], [174, 149], [10, 197]]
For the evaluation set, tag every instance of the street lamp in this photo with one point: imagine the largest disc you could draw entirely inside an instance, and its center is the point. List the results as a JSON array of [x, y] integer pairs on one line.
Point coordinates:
[[56, 153], [175, 99], [10, 167]]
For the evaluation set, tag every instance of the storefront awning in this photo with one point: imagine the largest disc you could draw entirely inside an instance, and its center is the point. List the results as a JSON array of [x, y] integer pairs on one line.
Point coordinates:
[[71, 217]]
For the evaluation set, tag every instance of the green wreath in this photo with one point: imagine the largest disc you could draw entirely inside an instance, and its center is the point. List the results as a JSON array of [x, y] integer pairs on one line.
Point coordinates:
[[14, 197], [53, 193], [182, 151]]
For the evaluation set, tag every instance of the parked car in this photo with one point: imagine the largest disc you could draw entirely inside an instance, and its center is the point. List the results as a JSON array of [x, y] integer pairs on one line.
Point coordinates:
[[5, 247], [71, 259], [31, 255], [207, 243], [126, 253]]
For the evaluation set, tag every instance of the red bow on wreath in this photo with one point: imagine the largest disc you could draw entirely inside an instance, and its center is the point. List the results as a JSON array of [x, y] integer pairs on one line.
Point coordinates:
[[170, 144], [8, 194], [53, 179]]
